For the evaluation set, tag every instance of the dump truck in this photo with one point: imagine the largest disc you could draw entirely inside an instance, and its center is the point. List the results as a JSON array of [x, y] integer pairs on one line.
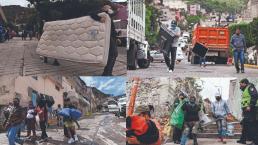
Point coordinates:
[[216, 39], [137, 46]]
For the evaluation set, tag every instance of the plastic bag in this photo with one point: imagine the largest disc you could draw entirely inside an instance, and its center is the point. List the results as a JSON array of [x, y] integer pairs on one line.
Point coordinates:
[[177, 117], [167, 131]]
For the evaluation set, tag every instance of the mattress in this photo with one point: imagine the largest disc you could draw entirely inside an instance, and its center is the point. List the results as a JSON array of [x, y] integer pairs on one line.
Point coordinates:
[[80, 40]]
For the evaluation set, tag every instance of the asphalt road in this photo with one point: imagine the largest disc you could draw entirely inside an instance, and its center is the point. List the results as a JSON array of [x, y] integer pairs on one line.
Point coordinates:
[[100, 129], [185, 69]]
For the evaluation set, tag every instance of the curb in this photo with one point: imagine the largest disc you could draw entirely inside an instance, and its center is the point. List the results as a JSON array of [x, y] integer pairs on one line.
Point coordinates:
[[251, 66]]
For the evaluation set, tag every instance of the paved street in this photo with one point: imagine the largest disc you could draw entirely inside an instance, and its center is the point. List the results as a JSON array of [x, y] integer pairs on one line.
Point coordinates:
[[19, 57], [205, 141], [102, 129], [184, 69]]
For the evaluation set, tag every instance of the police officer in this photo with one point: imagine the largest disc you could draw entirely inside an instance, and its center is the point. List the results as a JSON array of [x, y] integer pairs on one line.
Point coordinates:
[[249, 108]]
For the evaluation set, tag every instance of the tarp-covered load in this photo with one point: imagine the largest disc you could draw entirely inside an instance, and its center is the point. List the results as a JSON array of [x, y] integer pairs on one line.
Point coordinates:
[[81, 40]]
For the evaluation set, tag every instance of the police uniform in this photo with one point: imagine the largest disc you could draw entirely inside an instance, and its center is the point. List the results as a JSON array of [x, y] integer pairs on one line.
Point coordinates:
[[250, 118]]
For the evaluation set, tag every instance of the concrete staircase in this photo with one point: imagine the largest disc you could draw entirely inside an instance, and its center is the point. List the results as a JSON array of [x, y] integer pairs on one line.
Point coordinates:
[[210, 131]]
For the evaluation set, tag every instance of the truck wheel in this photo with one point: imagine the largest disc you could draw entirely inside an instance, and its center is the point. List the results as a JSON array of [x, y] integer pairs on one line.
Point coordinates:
[[195, 60], [131, 57], [143, 63]]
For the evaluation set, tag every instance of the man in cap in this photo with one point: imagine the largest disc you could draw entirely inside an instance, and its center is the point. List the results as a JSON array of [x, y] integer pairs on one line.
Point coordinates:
[[13, 123], [170, 62], [249, 104], [142, 128], [219, 111]]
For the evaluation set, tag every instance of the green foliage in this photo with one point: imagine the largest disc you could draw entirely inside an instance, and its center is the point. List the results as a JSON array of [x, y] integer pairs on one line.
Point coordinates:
[[151, 16], [193, 19], [246, 29], [254, 27]]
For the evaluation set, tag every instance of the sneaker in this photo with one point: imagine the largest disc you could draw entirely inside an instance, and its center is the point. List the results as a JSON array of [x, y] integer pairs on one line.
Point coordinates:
[[170, 71], [70, 141], [241, 142], [242, 71], [75, 138]]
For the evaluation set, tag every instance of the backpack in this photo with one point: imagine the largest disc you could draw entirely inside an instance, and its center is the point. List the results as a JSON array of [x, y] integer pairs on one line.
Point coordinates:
[[152, 134]]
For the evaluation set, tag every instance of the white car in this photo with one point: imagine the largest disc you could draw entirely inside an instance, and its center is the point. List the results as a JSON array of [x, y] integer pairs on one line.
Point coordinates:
[[156, 56], [179, 54], [122, 106], [113, 106]]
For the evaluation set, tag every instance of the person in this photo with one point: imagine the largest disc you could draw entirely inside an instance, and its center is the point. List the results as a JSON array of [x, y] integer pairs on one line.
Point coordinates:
[[58, 117], [7, 34], [202, 61], [170, 62], [69, 127], [249, 106], [191, 119], [219, 111], [31, 121], [143, 128], [30, 34], [176, 109], [14, 121], [43, 117], [238, 44], [113, 52]]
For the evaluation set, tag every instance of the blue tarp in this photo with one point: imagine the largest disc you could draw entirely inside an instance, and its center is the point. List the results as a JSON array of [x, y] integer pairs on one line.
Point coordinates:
[[68, 112]]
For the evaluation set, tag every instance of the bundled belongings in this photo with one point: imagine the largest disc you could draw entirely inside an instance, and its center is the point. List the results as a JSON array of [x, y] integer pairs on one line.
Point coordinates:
[[75, 114], [165, 38], [80, 40], [43, 100], [144, 130], [200, 49]]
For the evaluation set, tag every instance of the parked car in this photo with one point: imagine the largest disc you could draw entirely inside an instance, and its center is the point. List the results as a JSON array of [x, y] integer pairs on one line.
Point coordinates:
[[122, 106], [156, 56], [113, 107]]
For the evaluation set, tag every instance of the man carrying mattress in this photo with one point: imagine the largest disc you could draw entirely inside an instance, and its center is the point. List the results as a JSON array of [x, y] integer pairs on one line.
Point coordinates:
[[113, 53]]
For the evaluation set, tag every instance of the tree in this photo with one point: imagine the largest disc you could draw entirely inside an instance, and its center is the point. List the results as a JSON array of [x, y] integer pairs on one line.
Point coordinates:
[[220, 6]]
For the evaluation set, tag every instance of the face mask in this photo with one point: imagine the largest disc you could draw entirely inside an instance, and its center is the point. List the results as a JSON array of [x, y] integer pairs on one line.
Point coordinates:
[[173, 26], [218, 98]]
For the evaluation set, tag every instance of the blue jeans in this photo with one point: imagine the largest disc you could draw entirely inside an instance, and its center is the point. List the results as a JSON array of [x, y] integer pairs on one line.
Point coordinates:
[[239, 55], [202, 60], [12, 135]]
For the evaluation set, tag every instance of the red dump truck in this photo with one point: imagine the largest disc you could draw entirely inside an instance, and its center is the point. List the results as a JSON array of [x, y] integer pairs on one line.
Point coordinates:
[[217, 41]]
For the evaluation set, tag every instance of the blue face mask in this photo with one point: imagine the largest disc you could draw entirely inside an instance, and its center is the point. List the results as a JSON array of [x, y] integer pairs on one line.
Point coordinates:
[[173, 26]]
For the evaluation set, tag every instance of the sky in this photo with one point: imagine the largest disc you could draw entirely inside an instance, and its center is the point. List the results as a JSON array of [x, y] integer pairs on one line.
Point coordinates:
[[108, 85], [23, 3], [213, 85]]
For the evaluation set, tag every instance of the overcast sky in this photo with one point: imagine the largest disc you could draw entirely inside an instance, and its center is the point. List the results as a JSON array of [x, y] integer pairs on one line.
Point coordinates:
[[211, 86], [108, 85], [23, 3]]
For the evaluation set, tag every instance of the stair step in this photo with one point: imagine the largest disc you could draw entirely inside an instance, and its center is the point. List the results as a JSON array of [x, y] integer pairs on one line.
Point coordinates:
[[215, 135]]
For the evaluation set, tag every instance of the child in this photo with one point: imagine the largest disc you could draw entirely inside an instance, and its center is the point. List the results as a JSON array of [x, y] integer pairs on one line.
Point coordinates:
[[31, 120], [69, 125]]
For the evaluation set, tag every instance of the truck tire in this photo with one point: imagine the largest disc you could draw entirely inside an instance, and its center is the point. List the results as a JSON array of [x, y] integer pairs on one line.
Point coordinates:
[[143, 63], [131, 57], [195, 60]]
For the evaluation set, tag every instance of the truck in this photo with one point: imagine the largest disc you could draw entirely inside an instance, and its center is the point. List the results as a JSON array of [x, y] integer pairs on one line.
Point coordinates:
[[137, 47], [216, 39]]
